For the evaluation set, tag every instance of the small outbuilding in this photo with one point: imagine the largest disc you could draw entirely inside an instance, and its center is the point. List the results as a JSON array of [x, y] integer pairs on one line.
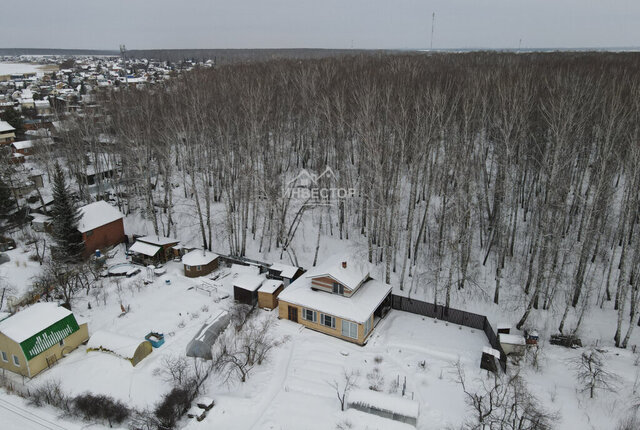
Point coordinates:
[[153, 249], [384, 405], [7, 133], [101, 226], [287, 274], [40, 222], [245, 288], [490, 359], [268, 293], [199, 263], [127, 347], [512, 344]]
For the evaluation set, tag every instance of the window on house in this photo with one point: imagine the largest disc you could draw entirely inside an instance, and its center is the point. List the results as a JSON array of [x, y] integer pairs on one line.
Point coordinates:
[[338, 288], [4, 356], [61, 343], [198, 268], [89, 233], [188, 268], [328, 320], [309, 315], [349, 329], [367, 326], [16, 360]]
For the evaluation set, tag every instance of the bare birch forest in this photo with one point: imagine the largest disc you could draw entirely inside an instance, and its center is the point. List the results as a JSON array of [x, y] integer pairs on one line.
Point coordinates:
[[527, 165]]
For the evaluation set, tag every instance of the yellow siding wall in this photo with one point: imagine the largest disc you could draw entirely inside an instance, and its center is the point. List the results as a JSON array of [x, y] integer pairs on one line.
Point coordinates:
[[283, 313], [39, 363], [10, 347]]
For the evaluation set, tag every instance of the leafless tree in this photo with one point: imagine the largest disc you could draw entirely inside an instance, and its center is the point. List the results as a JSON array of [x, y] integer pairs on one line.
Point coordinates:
[[592, 374], [342, 387]]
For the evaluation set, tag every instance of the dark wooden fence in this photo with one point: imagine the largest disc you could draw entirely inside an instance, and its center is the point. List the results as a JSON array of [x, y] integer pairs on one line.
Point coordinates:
[[454, 316]]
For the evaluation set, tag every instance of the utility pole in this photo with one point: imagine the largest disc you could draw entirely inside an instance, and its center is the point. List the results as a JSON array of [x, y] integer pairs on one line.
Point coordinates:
[[123, 54], [433, 23]]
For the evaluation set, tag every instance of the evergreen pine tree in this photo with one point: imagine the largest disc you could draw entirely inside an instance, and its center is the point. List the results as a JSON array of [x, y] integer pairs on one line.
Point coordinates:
[[65, 217], [7, 202]]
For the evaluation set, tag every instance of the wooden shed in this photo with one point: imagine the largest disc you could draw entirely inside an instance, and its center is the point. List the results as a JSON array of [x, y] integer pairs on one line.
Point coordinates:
[[153, 249], [512, 344], [245, 288], [199, 262], [268, 293]]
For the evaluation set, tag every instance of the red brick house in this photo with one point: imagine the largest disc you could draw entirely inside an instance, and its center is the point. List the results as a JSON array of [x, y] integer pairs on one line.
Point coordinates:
[[101, 226]]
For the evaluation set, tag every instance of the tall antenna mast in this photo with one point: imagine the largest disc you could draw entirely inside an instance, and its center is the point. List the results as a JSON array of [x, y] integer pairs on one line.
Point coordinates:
[[123, 54], [433, 23]]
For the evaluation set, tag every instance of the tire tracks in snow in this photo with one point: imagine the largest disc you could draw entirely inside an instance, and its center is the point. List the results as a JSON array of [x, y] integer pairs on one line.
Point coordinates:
[[272, 393], [28, 416]]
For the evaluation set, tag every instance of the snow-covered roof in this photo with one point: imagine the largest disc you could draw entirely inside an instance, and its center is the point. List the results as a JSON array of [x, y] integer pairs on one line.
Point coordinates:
[[491, 351], [248, 282], [124, 346], [242, 269], [32, 320], [350, 276], [158, 240], [285, 270], [512, 339], [96, 215], [22, 144], [145, 248], [356, 308], [198, 257], [270, 286], [384, 402], [5, 127], [36, 217]]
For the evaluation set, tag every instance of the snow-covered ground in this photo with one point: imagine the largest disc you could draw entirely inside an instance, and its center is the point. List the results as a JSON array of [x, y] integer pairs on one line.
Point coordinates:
[[293, 387], [292, 390], [19, 68], [16, 414], [19, 272]]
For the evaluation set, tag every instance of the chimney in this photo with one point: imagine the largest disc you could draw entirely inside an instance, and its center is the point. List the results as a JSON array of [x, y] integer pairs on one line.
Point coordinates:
[[344, 264]]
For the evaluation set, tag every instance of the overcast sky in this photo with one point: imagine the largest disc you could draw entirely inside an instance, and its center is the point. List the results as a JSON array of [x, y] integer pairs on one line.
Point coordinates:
[[320, 24]]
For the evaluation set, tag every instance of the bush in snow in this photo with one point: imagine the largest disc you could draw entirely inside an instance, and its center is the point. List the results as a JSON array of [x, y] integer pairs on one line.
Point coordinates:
[[503, 402], [239, 314], [630, 422], [91, 406], [175, 370], [186, 377], [375, 380], [242, 347], [50, 393], [173, 405]]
